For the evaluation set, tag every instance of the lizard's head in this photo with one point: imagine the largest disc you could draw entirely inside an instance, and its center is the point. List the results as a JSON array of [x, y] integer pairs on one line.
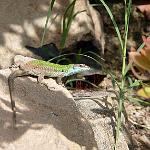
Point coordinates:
[[78, 68], [19, 60], [85, 70], [81, 67]]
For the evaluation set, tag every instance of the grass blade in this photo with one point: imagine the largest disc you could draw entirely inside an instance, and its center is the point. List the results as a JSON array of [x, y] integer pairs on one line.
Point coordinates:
[[114, 22], [48, 16]]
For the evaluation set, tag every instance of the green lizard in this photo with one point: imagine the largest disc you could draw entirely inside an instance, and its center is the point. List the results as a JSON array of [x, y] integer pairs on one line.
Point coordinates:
[[41, 69]]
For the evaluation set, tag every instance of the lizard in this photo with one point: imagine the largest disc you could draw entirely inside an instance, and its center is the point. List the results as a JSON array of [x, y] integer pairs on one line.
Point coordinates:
[[39, 68]]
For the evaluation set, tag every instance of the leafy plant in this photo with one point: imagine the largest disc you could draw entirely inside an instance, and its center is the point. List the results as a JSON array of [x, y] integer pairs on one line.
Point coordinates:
[[123, 44], [140, 59]]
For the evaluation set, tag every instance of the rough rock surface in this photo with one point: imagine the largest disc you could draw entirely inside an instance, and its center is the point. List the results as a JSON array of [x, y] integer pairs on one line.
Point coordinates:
[[48, 118], [22, 23]]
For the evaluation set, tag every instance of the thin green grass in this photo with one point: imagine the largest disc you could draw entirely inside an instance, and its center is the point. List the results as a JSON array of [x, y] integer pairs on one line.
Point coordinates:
[[81, 55], [69, 16], [85, 81], [114, 23], [47, 19], [123, 45], [67, 20]]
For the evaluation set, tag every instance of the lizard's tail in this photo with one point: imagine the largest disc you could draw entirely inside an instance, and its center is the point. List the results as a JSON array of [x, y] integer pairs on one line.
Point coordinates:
[[11, 78]]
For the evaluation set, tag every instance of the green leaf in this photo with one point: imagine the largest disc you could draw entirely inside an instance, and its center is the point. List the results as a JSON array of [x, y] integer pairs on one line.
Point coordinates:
[[135, 83], [68, 18], [138, 101], [48, 16]]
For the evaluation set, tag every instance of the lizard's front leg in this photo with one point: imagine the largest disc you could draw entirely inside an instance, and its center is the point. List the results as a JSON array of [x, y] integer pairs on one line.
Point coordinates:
[[40, 78], [59, 81]]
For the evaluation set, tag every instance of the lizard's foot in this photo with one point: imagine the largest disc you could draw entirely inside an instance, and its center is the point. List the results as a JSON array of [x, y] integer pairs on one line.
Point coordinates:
[[46, 83], [13, 66], [59, 81], [62, 84], [40, 78]]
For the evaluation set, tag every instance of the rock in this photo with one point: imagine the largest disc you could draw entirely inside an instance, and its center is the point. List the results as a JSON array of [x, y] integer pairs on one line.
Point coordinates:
[[46, 119], [98, 110], [22, 23]]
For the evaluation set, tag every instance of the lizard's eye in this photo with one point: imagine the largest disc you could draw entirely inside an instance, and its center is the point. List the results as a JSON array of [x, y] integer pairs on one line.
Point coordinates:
[[81, 65]]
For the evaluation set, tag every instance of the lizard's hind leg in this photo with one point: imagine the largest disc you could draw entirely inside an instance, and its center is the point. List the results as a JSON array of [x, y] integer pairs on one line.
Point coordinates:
[[11, 78]]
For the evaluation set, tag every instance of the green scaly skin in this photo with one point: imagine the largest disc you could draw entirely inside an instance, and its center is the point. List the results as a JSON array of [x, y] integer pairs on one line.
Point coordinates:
[[52, 65]]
